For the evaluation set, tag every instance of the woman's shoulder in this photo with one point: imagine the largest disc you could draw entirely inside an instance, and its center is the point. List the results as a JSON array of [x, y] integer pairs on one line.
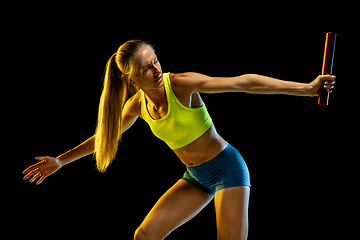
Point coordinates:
[[187, 80], [181, 80], [133, 104], [178, 82]]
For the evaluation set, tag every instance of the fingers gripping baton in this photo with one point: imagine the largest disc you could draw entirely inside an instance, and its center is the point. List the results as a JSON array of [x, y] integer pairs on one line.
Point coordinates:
[[327, 66]]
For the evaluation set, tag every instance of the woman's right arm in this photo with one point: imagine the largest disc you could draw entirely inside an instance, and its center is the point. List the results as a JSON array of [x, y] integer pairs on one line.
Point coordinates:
[[80, 151], [48, 165], [130, 114]]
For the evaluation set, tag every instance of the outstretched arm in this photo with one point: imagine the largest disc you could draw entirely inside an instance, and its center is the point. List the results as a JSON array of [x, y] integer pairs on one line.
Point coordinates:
[[82, 150], [252, 83], [268, 85], [49, 165]]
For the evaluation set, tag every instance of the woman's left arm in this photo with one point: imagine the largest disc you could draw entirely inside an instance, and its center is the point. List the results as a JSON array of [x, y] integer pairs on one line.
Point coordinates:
[[253, 83], [268, 85]]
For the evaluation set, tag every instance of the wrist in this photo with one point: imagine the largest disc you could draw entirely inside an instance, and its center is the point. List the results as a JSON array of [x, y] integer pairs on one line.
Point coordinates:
[[64, 158], [310, 90], [61, 160]]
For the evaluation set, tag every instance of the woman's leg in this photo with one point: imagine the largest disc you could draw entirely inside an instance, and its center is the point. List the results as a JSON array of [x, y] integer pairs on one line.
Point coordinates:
[[231, 205], [177, 206]]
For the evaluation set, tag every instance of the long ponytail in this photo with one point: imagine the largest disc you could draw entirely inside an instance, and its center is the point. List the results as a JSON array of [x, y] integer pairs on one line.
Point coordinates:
[[112, 101], [108, 130]]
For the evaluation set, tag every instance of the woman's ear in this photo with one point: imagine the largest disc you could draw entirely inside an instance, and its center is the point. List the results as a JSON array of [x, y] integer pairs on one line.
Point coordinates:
[[125, 77]]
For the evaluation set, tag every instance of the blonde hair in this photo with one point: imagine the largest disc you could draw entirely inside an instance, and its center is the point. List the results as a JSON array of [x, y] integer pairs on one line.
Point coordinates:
[[112, 101]]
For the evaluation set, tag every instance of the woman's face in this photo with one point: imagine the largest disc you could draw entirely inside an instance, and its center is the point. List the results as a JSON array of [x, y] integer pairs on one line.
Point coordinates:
[[149, 70]]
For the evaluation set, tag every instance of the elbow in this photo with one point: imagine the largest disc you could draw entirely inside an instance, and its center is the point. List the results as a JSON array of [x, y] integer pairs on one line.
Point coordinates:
[[248, 83], [261, 85]]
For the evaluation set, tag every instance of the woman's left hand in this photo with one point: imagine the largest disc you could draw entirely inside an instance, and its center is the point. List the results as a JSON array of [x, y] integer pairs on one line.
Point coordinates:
[[316, 84]]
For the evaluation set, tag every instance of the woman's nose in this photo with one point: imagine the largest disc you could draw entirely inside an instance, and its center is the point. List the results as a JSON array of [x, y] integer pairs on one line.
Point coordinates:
[[156, 67]]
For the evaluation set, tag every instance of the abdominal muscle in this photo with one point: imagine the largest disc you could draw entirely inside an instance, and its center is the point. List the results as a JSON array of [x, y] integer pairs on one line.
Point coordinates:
[[203, 149]]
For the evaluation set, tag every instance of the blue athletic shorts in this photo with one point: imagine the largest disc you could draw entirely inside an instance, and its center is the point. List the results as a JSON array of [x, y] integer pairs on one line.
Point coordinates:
[[228, 169]]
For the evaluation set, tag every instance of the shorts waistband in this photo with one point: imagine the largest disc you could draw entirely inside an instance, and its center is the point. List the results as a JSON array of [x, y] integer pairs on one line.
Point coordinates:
[[214, 160]]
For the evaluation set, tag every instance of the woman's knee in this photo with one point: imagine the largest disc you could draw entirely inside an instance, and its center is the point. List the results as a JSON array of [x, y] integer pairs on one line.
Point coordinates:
[[141, 234]]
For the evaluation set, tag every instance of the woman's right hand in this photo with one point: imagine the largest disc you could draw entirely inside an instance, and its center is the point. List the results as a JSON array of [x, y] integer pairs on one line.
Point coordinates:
[[42, 169]]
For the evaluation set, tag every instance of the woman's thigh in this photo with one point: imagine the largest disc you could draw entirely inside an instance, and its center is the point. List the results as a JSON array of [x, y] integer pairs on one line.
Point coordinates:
[[231, 205], [177, 206]]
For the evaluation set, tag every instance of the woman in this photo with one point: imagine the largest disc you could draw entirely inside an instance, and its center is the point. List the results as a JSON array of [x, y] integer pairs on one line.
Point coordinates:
[[172, 106]]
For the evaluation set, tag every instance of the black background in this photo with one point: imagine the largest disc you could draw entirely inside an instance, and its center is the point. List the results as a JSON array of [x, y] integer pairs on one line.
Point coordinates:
[[297, 152]]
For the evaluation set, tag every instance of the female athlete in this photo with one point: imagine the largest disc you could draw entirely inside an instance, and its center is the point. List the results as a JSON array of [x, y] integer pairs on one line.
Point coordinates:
[[172, 106]]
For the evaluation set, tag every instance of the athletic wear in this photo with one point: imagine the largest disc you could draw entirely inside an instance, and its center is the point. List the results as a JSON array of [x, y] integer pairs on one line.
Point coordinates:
[[228, 169], [181, 125]]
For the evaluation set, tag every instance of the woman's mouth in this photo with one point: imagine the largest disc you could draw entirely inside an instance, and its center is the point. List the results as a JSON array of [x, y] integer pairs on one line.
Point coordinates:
[[158, 80]]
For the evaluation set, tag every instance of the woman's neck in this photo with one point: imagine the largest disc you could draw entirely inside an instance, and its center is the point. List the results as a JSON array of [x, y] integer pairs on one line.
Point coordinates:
[[156, 96]]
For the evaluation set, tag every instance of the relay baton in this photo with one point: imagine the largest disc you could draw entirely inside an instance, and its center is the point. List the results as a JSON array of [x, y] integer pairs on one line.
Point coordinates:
[[327, 66]]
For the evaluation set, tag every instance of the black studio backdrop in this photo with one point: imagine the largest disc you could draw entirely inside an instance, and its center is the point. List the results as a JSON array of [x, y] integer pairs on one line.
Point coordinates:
[[290, 144]]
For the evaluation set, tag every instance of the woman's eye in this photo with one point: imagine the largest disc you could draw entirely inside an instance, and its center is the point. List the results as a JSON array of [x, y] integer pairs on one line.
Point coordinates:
[[146, 69], [155, 61]]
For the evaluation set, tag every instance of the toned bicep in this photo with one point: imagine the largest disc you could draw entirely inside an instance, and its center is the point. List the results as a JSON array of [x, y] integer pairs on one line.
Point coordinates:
[[206, 84], [223, 84]]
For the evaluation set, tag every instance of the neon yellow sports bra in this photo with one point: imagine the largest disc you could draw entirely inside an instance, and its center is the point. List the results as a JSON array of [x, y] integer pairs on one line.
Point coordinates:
[[181, 125]]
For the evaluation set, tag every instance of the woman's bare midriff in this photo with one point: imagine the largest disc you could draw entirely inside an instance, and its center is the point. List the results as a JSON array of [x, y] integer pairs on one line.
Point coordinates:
[[202, 149]]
